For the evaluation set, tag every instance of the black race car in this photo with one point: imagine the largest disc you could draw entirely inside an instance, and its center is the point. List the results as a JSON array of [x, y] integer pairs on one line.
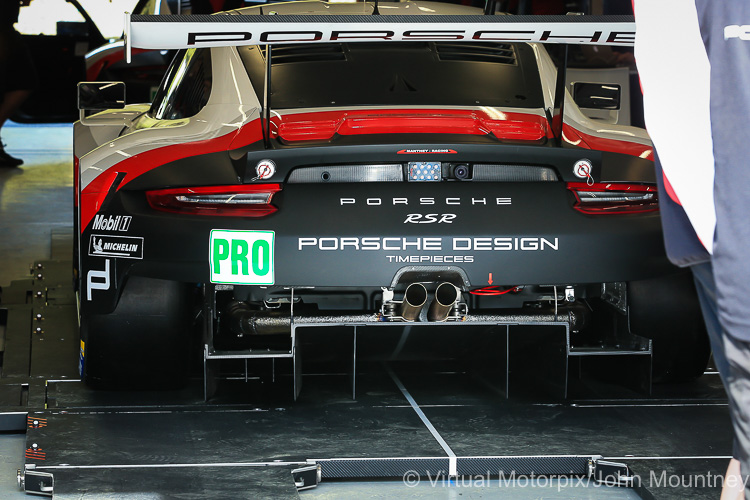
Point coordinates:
[[432, 181]]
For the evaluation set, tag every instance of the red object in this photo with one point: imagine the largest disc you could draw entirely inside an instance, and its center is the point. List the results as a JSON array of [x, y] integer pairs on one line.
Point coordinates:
[[94, 195], [320, 126], [141, 163], [670, 190], [615, 189], [173, 200], [493, 290], [586, 141]]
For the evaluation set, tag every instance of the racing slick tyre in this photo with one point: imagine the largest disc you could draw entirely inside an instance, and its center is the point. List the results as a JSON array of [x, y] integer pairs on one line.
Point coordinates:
[[667, 311], [144, 342]]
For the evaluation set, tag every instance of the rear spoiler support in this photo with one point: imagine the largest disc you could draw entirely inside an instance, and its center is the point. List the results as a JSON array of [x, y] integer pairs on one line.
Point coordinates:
[[266, 123], [559, 103], [490, 7]]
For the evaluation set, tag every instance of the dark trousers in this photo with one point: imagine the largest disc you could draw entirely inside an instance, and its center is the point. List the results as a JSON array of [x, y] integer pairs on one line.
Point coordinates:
[[732, 358]]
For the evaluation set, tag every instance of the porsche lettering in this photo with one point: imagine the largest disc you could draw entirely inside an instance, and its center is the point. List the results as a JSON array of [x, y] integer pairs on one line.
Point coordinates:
[[587, 35], [457, 244], [375, 202]]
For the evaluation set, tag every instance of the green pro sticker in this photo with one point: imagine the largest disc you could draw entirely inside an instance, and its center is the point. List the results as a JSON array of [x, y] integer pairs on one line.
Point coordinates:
[[241, 257]]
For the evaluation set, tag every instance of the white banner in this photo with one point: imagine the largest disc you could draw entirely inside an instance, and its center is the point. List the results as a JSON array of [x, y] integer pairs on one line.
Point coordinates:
[[160, 34]]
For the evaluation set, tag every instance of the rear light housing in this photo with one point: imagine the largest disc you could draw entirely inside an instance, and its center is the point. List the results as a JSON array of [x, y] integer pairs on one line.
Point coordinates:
[[252, 200], [614, 198]]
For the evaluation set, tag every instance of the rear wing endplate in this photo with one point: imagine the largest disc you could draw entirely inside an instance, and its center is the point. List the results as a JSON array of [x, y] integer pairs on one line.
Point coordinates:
[[179, 32]]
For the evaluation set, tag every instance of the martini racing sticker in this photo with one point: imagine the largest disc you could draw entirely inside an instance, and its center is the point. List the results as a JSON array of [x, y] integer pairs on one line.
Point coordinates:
[[126, 247], [241, 257]]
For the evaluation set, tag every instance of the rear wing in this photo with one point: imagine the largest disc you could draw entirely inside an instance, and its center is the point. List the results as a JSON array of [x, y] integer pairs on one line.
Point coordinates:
[[181, 32]]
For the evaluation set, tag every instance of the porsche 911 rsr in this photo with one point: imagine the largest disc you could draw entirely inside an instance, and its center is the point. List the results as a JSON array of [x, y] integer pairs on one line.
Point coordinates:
[[355, 182]]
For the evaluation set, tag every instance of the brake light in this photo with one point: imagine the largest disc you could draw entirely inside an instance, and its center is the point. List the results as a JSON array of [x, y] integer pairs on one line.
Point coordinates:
[[253, 200], [614, 198], [323, 126]]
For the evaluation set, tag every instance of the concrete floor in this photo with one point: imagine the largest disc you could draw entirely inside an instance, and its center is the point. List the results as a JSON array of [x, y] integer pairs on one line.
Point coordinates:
[[36, 198]]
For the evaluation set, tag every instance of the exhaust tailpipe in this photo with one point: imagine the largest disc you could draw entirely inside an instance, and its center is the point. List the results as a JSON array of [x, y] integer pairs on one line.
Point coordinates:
[[446, 296], [415, 298]]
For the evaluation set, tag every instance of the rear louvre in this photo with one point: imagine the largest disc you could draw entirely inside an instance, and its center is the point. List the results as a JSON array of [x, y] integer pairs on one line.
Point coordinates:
[[285, 54], [499, 53]]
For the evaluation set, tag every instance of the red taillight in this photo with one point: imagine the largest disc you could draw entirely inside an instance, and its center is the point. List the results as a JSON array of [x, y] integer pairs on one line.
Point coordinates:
[[253, 200], [323, 126], [614, 198]]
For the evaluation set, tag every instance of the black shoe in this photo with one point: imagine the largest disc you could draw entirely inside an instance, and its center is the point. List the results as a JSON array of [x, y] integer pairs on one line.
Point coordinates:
[[7, 160]]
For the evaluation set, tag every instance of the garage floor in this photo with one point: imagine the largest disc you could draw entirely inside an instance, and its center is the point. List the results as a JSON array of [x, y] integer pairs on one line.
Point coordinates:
[[239, 445]]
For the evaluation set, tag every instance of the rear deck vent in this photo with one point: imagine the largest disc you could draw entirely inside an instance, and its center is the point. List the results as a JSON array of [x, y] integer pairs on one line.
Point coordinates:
[[499, 53], [284, 54]]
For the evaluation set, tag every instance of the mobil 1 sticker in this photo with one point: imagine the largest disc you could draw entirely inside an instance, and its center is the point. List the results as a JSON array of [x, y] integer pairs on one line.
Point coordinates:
[[107, 245], [241, 257]]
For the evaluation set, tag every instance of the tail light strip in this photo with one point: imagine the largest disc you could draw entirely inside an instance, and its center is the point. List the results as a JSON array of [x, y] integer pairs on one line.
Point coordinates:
[[230, 201], [614, 198]]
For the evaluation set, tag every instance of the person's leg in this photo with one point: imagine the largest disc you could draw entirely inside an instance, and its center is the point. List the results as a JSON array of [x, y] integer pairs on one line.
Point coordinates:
[[12, 100], [738, 384], [706, 287], [19, 79]]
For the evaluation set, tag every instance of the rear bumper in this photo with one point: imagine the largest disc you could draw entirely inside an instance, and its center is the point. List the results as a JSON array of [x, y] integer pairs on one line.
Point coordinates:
[[367, 235]]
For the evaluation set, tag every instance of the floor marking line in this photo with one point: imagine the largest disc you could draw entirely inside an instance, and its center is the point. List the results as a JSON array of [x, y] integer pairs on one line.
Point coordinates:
[[706, 457], [658, 405], [164, 466], [452, 461]]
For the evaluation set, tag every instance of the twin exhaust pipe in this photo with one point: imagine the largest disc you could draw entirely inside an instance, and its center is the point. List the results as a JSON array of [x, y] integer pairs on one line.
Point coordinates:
[[243, 320], [415, 297]]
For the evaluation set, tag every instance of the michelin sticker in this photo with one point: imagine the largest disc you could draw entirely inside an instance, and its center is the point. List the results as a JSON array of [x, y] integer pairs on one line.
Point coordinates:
[[127, 247], [241, 257]]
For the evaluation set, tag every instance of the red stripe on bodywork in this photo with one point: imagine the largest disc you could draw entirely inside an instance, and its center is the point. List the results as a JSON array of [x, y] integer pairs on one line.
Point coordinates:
[[94, 194], [322, 125], [582, 140], [134, 166]]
